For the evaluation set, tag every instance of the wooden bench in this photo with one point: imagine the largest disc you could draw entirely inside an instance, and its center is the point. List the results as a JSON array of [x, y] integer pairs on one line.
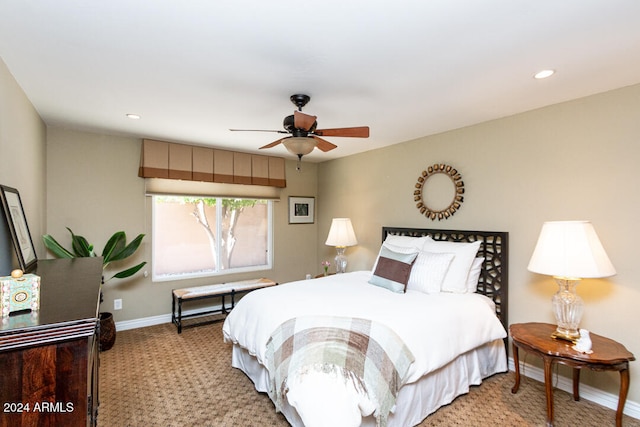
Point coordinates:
[[221, 290]]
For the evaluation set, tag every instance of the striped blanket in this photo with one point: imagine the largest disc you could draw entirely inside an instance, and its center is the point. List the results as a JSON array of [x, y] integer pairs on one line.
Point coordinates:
[[365, 352]]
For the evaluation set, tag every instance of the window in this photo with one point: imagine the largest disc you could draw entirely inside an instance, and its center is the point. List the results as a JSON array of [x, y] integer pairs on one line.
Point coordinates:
[[198, 236]]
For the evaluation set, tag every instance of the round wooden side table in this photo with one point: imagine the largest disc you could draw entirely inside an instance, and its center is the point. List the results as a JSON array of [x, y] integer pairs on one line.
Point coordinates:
[[608, 355]]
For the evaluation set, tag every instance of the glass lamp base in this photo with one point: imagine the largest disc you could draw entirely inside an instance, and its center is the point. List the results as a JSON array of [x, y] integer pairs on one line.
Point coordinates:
[[341, 260], [568, 308]]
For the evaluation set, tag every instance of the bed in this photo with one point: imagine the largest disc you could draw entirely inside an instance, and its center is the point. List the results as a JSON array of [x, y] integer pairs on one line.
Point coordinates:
[[402, 352]]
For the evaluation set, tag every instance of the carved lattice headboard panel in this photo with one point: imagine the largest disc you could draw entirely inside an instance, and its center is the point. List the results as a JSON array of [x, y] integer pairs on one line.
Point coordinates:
[[494, 247]]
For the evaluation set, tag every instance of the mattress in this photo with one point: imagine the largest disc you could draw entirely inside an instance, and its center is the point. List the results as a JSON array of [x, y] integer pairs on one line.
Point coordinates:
[[456, 340]]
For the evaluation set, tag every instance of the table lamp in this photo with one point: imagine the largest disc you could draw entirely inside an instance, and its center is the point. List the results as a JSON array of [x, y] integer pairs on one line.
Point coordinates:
[[569, 251], [341, 235]]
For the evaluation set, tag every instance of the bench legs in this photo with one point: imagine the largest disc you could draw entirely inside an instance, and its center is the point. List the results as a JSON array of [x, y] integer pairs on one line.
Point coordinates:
[[176, 318]]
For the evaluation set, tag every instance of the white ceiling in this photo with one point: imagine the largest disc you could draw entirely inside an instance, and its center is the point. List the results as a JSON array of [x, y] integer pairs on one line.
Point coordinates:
[[195, 68]]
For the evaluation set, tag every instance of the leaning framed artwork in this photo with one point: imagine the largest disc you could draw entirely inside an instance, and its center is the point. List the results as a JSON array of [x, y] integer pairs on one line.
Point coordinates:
[[301, 210], [17, 222]]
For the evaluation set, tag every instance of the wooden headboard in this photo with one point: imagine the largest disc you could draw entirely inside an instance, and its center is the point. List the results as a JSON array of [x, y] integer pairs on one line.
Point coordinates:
[[494, 247]]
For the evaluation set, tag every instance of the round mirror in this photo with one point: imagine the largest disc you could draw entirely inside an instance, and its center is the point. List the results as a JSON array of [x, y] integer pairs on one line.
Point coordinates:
[[439, 191]]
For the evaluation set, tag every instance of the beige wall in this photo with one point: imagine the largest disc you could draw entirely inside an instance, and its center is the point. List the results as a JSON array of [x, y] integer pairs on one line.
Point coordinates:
[[22, 151], [575, 160], [94, 189]]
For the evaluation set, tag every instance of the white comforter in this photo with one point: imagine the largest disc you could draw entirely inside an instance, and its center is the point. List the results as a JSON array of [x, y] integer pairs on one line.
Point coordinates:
[[436, 328]]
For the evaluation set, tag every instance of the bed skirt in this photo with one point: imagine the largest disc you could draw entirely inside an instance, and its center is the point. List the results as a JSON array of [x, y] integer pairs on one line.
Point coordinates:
[[415, 400]]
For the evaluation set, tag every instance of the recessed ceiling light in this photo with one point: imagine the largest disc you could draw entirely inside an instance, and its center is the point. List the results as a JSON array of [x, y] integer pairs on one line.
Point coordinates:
[[544, 74], [133, 116]]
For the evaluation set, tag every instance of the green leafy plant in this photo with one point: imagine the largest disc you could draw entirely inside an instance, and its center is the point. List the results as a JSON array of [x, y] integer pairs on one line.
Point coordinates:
[[116, 249]]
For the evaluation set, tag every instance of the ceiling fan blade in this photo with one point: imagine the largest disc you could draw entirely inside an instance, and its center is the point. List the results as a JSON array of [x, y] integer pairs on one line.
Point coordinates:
[[257, 130], [303, 121], [355, 132], [273, 144], [324, 145]]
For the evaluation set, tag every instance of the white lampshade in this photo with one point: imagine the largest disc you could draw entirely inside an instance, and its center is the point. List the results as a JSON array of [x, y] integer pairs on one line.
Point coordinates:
[[570, 249], [341, 233], [300, 146]]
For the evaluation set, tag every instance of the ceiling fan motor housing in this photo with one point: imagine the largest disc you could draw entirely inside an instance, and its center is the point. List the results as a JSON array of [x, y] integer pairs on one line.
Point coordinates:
[[289, 125]]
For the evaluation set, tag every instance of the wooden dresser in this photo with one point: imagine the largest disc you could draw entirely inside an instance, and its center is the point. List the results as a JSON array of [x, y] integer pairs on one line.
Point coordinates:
[[49, 358]]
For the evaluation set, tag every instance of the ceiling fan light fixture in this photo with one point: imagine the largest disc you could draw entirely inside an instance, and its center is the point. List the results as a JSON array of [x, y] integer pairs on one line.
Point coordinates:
[[299, 146]]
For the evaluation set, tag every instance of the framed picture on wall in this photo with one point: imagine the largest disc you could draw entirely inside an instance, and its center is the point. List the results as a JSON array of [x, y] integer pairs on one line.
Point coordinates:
[[301, 210], [17, 222]]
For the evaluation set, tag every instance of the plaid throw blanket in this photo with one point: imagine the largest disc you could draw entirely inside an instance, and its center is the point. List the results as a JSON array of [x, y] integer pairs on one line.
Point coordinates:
[[365, 352]]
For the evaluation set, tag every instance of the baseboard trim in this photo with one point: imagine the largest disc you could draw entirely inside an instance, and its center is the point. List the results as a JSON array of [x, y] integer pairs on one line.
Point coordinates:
[[143, 322], [587, 392], [158, 320]]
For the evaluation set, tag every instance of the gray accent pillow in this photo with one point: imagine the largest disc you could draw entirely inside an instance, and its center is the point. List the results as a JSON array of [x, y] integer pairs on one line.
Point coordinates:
[[393, 270]]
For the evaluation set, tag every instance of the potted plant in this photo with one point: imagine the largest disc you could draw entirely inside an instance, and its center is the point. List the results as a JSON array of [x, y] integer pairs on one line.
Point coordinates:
[[115, 250]]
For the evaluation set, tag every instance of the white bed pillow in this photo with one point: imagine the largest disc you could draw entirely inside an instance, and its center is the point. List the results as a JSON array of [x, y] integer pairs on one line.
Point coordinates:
[[474, 275], [406, 241], [428, 271], [456, 279], [395, 242]]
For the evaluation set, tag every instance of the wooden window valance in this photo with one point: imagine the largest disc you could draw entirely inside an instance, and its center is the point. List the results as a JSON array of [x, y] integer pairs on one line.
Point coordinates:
[[160, 159]]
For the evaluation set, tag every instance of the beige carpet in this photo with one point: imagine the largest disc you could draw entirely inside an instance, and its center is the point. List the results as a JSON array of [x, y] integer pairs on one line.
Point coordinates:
[[155, 377]]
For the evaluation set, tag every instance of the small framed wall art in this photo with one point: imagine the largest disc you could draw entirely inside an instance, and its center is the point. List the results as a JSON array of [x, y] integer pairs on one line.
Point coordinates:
[[301, 210], [17, 221]]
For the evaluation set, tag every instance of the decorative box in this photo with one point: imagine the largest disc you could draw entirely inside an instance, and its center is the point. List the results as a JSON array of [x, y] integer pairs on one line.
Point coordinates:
[[19, 293]]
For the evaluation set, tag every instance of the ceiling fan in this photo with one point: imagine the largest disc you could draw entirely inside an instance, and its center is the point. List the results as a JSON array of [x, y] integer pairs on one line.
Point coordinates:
[[304, 133]]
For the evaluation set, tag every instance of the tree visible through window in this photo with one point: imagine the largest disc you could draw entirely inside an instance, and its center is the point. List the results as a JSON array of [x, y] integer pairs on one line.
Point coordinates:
[[201, 236]]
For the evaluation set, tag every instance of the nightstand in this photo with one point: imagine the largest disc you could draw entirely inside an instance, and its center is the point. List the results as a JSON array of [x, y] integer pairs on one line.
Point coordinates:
[[608, 355], [323, 275]]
